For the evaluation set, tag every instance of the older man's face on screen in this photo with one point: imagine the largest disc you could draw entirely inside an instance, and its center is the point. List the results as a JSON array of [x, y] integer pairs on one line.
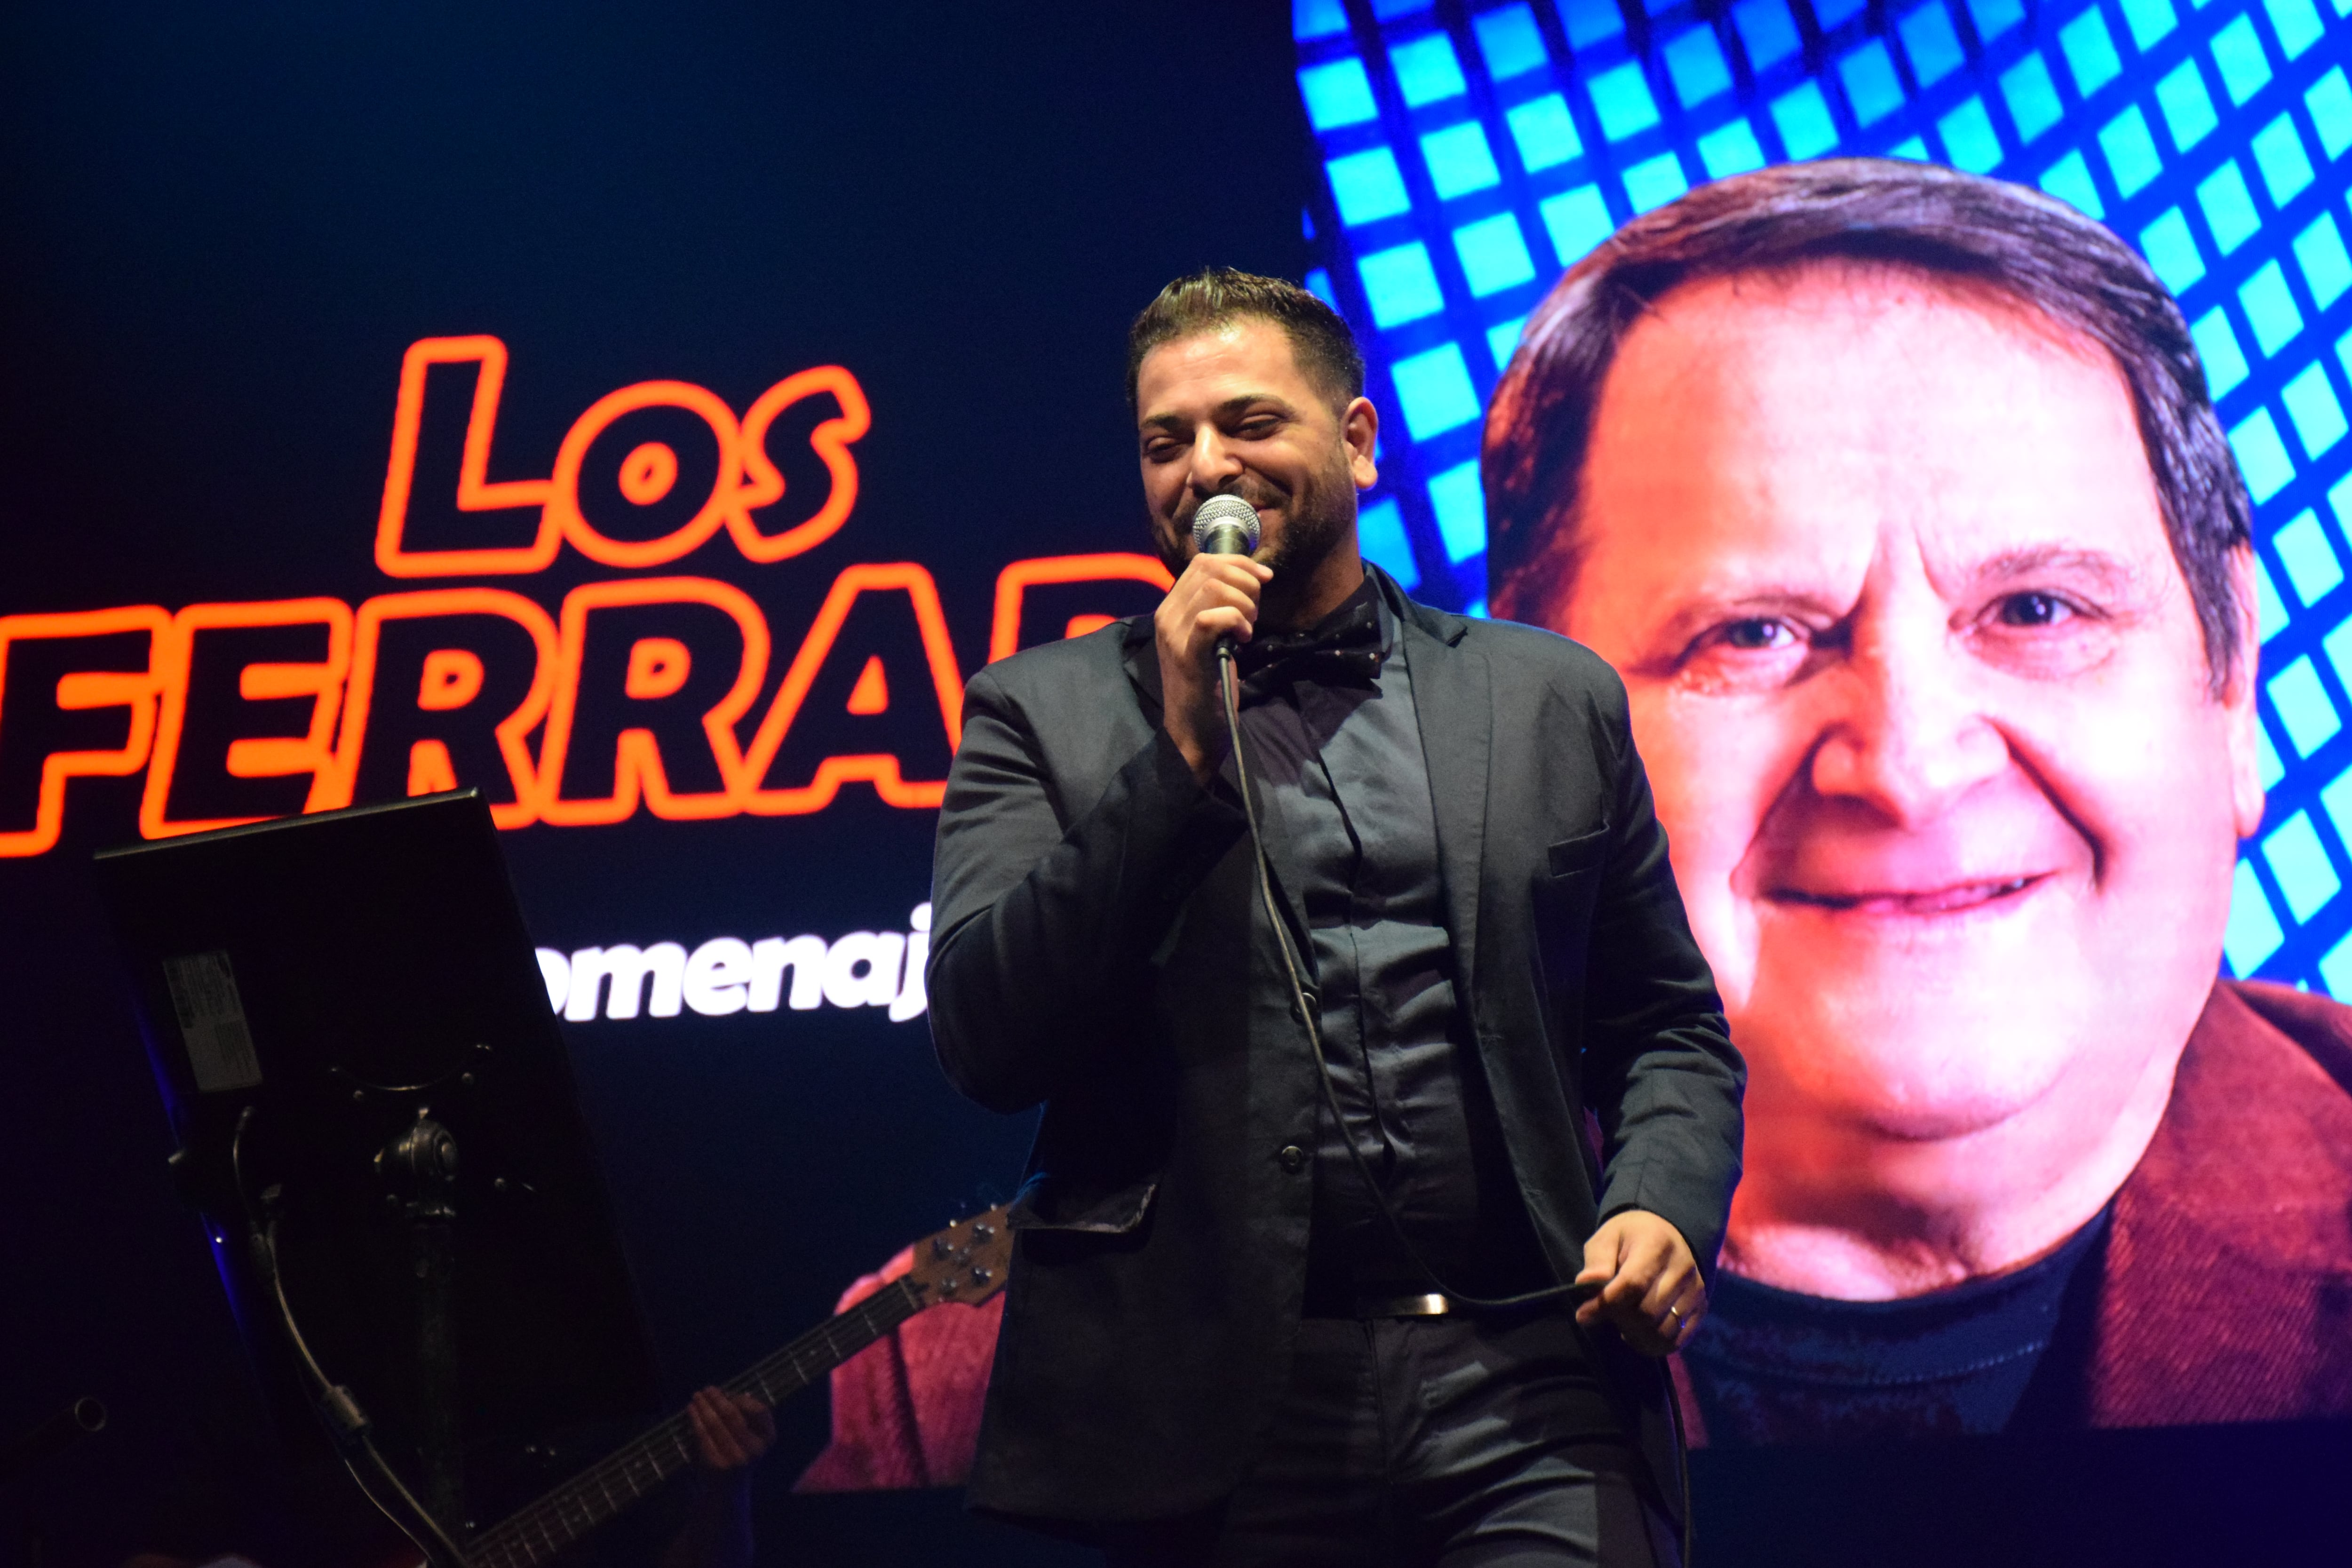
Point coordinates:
[[1922, 692]]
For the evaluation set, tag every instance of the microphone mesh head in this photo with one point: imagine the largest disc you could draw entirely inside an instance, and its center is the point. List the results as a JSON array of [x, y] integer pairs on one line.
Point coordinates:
[[1223, 509]]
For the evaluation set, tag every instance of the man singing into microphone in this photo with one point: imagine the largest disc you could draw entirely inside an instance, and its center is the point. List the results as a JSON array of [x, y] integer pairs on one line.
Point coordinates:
[[1229, 1337]]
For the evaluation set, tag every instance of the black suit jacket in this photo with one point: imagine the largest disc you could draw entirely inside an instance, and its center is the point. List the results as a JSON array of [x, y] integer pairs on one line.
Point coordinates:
[[1098, 947]]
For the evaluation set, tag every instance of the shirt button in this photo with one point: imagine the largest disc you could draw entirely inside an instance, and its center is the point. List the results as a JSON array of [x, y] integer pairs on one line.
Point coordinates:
[[1293, 1158]]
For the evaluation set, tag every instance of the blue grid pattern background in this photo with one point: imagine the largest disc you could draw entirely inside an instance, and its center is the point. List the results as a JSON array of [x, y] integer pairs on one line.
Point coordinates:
[[1472, 151]]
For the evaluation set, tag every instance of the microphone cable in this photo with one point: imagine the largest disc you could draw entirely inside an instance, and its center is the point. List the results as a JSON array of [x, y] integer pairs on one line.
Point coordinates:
[[1229, 688]]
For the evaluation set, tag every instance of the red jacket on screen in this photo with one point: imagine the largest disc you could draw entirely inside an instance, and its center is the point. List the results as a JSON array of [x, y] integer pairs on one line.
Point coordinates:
[[2226, 1296], [2228, 1290]]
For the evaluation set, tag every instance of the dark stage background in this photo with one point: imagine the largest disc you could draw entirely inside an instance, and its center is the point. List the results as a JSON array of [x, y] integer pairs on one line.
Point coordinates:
[[219, 236], [223, 232]]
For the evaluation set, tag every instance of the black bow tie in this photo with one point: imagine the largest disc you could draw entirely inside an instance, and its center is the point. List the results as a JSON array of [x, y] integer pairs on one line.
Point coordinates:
[[1348, 641]]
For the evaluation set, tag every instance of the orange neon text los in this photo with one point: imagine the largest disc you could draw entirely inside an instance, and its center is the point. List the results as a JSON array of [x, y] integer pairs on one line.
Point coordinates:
[[675, 694]]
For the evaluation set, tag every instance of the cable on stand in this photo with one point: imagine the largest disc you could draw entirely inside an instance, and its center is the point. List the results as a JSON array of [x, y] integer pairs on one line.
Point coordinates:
[[347, 1425]]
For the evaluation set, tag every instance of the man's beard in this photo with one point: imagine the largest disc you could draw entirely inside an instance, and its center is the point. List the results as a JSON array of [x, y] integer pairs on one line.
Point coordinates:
[[1307, 539], [1322, 514]]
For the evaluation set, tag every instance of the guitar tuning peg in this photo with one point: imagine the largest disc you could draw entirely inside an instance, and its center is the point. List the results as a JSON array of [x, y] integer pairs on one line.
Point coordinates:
[[938, 1247], [982, 1231]]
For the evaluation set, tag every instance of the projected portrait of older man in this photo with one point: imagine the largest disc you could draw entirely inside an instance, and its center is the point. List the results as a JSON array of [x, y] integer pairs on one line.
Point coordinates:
[[1898, 501]]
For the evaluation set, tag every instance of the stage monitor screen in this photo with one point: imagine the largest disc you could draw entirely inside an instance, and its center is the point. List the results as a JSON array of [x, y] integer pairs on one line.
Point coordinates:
[[319, 992]]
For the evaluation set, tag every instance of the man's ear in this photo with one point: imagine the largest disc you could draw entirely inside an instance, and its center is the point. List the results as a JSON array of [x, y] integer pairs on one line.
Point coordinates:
[[2237, 697], [1360, 427]]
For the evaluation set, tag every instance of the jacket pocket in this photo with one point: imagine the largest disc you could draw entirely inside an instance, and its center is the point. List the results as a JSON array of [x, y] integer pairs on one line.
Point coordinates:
[[1047, 1202], [1585, 852], [1563, 908]]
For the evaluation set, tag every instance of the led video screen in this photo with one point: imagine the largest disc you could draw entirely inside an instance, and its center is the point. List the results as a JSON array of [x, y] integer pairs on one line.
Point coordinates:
[[1965, 878]]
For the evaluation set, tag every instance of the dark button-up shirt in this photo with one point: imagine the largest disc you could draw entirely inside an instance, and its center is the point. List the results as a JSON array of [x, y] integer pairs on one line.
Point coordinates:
[[1344, 800]]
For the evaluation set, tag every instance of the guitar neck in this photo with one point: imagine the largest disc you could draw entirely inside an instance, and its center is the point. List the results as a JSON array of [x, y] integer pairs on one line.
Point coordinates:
[[599, 1493]]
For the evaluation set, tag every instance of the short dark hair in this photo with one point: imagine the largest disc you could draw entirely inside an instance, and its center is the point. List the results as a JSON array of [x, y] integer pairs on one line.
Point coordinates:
[[1878, 212], [1213, 297]]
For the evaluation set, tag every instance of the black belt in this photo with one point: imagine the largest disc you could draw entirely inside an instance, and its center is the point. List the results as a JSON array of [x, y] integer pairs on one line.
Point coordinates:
[[1376, 1305], [1427, 1304]]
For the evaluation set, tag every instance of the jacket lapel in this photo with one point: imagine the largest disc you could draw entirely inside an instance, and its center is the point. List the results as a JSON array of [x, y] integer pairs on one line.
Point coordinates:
[[1141, 654], [1453, 702]]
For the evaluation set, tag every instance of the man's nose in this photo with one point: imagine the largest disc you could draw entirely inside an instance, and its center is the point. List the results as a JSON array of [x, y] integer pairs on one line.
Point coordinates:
[[1910, 734], [1213, 462]]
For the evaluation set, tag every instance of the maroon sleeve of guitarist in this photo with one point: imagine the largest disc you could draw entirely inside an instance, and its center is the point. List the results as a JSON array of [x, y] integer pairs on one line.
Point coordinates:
[[905, 1409]]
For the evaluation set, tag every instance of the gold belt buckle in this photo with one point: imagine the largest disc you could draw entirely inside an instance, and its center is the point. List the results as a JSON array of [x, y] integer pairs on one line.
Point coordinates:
[[1430, 1305]]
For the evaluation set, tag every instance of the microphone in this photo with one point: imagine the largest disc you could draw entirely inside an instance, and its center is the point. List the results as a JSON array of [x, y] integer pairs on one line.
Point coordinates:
[[1225, 525]]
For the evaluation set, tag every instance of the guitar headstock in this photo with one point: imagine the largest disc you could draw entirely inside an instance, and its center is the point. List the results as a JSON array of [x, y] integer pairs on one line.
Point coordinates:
[[966, 1262]]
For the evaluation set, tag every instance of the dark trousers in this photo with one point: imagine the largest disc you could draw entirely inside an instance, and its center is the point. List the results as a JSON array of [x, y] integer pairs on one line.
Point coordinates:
[[1428, 1440]]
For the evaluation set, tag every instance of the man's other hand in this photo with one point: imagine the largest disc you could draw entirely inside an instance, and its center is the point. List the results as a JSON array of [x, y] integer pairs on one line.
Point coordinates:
[[1217, 596], [731, 1431], [1650, 1287]]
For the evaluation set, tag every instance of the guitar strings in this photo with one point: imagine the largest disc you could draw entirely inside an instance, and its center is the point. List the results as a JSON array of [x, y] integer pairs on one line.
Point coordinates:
[[503, 1545]]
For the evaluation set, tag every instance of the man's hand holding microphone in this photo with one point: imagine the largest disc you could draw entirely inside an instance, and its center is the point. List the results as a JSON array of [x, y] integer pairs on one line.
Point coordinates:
[[1217, 596]]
